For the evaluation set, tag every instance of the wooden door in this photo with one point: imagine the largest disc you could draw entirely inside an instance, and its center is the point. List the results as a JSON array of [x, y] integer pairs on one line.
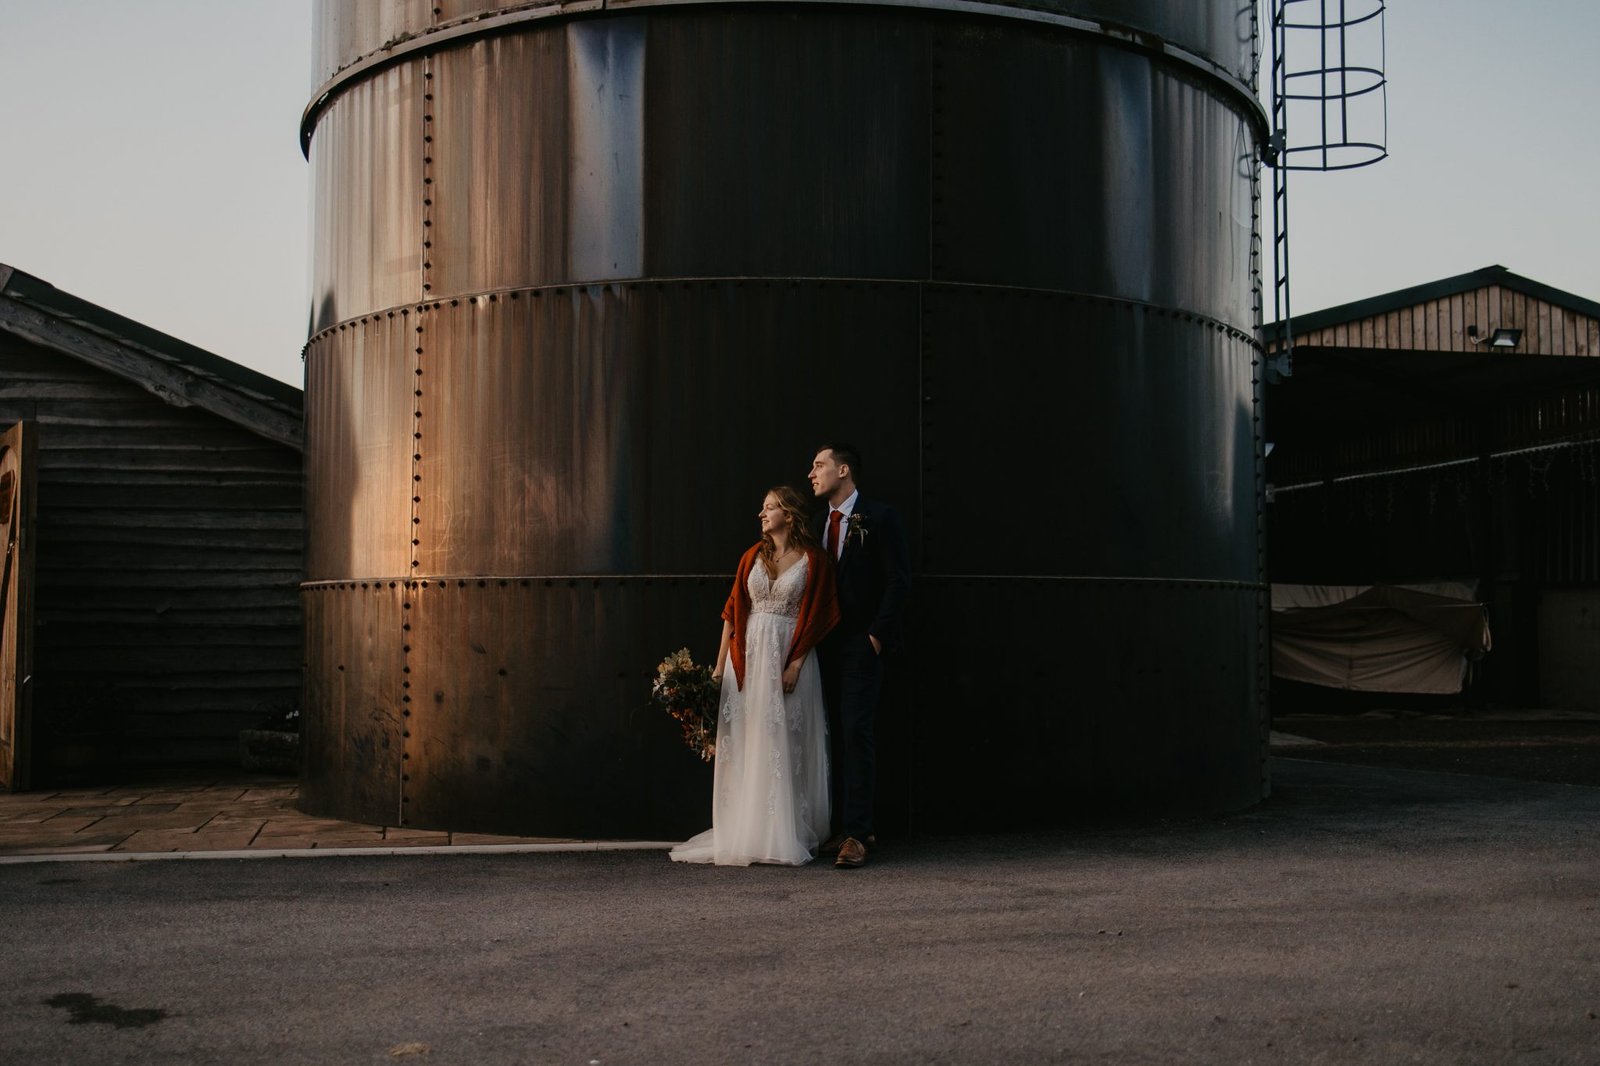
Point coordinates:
[[16, 602]]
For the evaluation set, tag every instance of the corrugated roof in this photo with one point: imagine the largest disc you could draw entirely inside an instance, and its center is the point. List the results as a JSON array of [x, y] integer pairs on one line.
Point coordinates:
[[179, 373], [1433, 290]]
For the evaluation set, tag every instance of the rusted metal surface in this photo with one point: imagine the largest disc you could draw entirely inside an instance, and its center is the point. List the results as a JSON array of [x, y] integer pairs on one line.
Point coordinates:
[[585, 288], [526, 705], [367, 199], [356, 37], [356, 722], [589, 449], [360, 384]]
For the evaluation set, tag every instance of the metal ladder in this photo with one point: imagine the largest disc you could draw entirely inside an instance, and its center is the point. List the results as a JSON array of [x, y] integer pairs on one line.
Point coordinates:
[[1336, 88]]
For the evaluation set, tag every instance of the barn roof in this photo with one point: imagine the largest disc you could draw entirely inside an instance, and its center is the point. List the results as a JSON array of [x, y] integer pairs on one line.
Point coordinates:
[[1416, 295], [1408, 378], [176, 372]]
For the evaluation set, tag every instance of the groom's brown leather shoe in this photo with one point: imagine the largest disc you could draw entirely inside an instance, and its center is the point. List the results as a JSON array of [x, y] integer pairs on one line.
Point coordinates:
[[832, 845], [852, 855]]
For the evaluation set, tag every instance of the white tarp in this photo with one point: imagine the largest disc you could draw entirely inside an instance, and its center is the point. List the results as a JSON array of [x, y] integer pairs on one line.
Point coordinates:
[[1378, 638]]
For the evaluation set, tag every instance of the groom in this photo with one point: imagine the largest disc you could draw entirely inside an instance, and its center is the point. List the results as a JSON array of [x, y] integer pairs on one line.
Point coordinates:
[[874, 574]]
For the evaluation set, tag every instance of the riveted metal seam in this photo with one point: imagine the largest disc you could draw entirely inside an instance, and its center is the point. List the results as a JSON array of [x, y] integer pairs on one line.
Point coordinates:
[[437, 37], [1247, 337], [508, 579], [418, 337]]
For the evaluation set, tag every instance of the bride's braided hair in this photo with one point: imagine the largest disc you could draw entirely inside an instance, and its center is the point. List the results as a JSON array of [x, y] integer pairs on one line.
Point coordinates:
[[800, 535]]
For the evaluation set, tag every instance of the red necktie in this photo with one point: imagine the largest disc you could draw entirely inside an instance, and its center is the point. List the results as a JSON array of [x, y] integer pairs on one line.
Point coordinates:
[[833, 532]]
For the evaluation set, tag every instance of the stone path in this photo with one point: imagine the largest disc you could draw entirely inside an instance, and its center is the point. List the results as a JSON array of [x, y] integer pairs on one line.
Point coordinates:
[[223, 814]]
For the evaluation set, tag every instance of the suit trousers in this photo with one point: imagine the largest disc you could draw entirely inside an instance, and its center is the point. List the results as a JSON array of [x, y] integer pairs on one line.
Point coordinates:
[[852, 681]]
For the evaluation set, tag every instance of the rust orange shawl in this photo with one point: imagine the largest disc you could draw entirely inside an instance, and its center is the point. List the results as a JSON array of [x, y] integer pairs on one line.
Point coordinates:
[[819, 607]]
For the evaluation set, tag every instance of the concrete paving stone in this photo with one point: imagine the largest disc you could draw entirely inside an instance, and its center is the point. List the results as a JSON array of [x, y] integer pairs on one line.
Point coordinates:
[[65, 825], [288, 813], [267, 804], [26, 799], [399, 834], [159, 820], [417, 842], [98, 803], [121, 811], [177, 798], [288, 792], [27, 844], [319, 840], [169, 786], [296, 843], [290, 827], [477, 839], [29, 814], [207, 807], [300, 824], [76, 795], [186, 840], [235, 823]]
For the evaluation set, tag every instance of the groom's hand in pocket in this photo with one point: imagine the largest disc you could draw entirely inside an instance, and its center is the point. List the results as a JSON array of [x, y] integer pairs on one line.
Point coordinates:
[[877, 645]]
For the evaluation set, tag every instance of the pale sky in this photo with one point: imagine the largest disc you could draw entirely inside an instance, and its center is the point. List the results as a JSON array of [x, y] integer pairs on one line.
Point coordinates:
[[149, 161]]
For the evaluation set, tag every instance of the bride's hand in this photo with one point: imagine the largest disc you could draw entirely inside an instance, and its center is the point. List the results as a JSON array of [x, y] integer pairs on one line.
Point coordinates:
[[716, 675], [791, 676]]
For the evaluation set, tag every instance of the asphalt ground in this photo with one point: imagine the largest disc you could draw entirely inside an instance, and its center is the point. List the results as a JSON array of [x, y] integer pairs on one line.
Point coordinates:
[[1531, 746], [1363, 915]]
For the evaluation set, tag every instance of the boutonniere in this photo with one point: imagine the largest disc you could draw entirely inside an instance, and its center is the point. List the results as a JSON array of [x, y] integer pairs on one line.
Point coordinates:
[[857, 530]]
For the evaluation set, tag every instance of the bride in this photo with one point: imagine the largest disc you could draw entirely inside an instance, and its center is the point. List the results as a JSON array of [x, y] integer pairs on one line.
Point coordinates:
[[769, 799]]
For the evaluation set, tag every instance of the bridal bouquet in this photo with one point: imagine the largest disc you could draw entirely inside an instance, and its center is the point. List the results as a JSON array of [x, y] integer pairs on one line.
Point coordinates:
[[689, 695]]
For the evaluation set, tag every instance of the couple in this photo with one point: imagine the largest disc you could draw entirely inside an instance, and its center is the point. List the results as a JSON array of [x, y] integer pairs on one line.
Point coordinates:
[[833, 590]]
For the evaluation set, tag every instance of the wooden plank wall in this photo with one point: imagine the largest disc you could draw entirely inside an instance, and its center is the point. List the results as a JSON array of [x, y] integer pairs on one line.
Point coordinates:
[[1519, 422], [169, 553], [1441, 326]]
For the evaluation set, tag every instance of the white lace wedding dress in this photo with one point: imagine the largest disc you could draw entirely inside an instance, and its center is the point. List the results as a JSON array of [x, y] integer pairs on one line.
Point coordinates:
[[769, 799]]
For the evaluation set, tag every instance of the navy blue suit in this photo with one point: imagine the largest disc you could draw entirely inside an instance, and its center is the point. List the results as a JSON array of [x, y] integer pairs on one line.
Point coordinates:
[[874, 575]]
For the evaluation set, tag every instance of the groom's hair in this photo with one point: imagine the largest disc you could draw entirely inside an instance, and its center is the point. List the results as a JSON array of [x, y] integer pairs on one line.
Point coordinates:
[[846, 455]]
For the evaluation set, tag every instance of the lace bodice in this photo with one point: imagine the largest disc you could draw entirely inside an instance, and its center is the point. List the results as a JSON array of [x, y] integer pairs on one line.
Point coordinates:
[[782, 596]]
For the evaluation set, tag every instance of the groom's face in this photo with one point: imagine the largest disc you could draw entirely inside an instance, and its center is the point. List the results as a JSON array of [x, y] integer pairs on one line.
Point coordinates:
[[826, 473]]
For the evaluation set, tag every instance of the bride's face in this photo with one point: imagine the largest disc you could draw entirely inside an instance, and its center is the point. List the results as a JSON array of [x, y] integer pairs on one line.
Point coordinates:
[[773, 518]]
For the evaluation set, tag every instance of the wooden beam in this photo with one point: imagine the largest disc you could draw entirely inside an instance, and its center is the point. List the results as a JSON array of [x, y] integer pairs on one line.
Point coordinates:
[[172, 382]]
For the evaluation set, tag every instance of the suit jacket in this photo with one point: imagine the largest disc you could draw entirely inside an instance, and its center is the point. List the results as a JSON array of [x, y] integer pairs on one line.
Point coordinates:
[[874, 571]]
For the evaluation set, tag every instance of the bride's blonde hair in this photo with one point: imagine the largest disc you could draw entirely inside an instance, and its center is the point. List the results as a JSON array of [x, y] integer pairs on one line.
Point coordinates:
[[800, 535]]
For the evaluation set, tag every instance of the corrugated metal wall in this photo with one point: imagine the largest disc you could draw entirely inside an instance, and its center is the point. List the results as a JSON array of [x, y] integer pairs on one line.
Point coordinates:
[[583, 288]]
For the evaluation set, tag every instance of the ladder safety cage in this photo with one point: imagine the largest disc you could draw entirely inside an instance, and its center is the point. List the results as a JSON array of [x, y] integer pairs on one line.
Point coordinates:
[[1334, 111], [1329, 110]]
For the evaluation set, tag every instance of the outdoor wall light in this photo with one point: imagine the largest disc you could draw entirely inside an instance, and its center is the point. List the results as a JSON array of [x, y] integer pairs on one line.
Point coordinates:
[[1501, 337]]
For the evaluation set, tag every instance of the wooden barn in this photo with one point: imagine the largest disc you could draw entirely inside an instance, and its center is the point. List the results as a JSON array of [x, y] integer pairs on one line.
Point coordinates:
[[151, 612], [1450, 432]]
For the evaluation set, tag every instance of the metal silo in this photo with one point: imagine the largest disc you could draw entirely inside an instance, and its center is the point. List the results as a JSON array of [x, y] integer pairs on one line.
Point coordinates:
[[589, 278]]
